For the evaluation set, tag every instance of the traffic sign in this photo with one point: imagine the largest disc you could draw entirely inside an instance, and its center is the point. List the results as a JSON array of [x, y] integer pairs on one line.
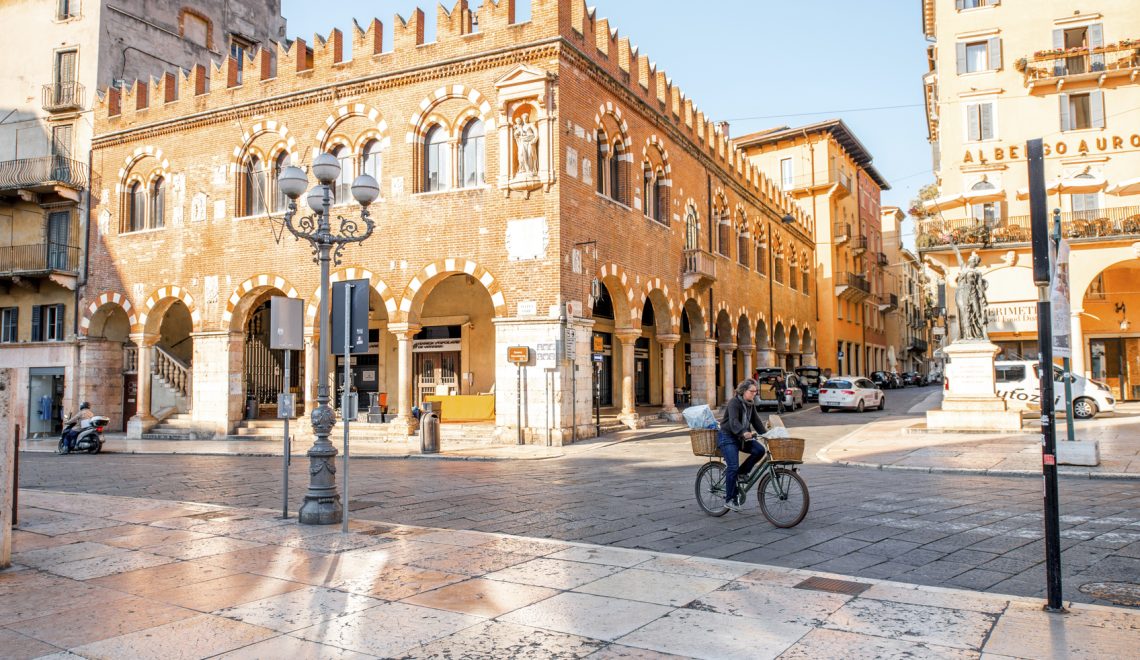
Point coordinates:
[[518, 354]]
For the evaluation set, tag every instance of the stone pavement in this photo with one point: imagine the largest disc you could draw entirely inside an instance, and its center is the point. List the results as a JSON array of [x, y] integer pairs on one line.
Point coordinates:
[[114, 577], [888, 444]]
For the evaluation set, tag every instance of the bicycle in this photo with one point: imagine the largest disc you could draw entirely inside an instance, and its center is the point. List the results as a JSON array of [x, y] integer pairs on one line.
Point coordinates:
[[782, 494]]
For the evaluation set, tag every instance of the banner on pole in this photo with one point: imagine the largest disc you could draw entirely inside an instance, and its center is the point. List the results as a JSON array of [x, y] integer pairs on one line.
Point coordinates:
[[1059, 297]]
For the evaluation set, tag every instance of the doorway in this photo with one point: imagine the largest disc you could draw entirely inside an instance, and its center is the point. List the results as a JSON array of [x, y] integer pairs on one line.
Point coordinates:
[[45, 402], [1115, 361], [641, 371]]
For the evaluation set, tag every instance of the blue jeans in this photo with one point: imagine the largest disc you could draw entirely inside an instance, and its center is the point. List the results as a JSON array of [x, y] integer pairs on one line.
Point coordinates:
[[732, 463]]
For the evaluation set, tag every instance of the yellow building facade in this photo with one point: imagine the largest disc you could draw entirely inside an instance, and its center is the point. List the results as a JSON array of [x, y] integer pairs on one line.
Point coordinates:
[[1068, 73]]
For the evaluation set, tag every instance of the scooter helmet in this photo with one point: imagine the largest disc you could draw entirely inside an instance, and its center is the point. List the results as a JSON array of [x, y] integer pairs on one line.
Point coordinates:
[[85, 406]]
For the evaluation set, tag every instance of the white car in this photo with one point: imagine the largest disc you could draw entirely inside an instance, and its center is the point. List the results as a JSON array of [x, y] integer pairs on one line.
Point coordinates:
[[1016, 381], [850, 392]]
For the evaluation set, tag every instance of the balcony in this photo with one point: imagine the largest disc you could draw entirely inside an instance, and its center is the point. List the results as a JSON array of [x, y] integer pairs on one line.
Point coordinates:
[[62, 97], [881, 259], [29, 177], [699, 268], [1059, 67], [917, 346], [38, 260], [888, 302], [851, 286], [858, 245], [1121, 222], [840, 232]]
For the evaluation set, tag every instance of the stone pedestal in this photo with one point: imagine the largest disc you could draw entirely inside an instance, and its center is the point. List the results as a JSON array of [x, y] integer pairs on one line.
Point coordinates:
[[971, 402]]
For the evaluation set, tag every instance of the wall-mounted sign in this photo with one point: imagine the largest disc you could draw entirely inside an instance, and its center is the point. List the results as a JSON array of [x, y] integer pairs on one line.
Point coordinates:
[[1100, 145], [599, 344], [518, 354], [435, 345], [1015, 316]]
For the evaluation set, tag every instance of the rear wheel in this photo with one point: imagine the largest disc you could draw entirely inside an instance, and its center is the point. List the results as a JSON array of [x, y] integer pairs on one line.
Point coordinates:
[[783, 497], [882, 403], [710, 488], [1084, 409], [860, 407], [824, 409]]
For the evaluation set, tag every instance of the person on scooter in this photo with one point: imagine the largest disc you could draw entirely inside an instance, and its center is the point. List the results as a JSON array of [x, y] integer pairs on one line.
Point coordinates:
[[741, 424], [81, 421]]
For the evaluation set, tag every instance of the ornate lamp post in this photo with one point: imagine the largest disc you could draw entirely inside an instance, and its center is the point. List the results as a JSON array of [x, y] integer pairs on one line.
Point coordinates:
[[322, 502]]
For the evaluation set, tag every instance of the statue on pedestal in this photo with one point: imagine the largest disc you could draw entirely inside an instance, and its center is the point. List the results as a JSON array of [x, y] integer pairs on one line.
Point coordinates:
[[526, 146], [971, 298]]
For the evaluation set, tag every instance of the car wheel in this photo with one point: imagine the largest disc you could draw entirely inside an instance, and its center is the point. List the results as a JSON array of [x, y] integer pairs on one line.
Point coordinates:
[[883, 403], [1084, 409], [860, 407], [824, 409]]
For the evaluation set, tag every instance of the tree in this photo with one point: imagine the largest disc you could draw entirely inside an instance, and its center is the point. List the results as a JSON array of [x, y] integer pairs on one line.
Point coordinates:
[[926, 193]]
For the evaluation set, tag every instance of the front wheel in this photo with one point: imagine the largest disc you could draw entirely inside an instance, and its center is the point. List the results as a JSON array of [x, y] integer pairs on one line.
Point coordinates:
[[783, 498], [882, 403], [860, 407], [61, 448], [710, 488], [1084, 409]]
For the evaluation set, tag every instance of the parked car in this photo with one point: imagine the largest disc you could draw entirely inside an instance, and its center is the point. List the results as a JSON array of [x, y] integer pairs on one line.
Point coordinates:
[[851, 393], [910, 378], [793, 391], [810, 378], [896, 380], [883, 380], [1017, 382]]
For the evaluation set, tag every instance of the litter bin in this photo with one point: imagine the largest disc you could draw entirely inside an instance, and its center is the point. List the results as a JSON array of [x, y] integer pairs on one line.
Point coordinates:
[[429, 433], [251, 408]]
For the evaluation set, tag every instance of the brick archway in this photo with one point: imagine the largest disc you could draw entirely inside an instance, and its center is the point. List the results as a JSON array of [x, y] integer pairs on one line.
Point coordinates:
[[352, 273], [415, 293], [104, 299], [163, 294]]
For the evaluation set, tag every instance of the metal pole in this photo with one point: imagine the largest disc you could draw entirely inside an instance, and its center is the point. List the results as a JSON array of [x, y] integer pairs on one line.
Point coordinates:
[[1039, 223], [16, 481], [518, 402], [574, 401], [285, 458], [322, 502], [1066, 363], [344, 411], [597, 400]]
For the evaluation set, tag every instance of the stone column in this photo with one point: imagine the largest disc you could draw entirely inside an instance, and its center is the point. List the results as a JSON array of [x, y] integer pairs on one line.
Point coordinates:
[[1077, 342], [726, 351], [746, 351], [765, 357], [404, 423], [628, 338], [668, 406], [217, 400], [143, 420], [702, 365], [310, 380]]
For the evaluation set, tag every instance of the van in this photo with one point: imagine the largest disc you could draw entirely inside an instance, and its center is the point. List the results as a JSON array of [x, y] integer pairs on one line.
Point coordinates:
[[1017, 382]]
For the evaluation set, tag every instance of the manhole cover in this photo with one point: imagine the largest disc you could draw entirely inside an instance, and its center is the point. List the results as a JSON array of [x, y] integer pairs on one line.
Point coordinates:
[[833, 586], [1121, 593]]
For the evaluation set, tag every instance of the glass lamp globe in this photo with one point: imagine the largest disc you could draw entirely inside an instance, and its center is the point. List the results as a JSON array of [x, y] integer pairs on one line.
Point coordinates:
[[292, 182], [316, 198], [365, 189], [326, 168]]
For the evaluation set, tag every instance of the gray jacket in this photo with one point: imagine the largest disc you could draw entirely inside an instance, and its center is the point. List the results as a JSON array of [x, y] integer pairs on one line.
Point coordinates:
[[739, 418]]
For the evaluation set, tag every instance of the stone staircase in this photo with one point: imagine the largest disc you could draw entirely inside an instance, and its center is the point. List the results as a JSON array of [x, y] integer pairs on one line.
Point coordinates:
[[178, 427]]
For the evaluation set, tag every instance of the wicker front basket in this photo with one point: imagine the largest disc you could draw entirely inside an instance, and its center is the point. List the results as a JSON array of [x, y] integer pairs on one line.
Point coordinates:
[[785, 450], [704, 442]]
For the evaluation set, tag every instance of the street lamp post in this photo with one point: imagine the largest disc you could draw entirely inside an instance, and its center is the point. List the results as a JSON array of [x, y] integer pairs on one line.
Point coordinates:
[[322, 502]]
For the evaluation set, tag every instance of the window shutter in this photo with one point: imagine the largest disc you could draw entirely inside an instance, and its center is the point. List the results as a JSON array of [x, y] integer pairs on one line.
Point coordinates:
[[987, 120], [995, 53], [1058, 43], [961, 53], [958, 4], [1096, 35], [58, 323], [1096, 108], [1064, 99], [37, 330], [972, 122]]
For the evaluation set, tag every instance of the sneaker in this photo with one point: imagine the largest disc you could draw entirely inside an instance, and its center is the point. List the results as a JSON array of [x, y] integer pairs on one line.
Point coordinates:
[[732, 505]]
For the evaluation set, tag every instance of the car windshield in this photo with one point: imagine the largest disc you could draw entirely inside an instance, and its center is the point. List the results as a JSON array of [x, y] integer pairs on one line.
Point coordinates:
[[809, 376], [837, 384]]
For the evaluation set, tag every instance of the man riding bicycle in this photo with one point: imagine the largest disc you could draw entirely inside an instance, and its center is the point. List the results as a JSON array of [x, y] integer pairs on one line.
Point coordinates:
[[741, 424]]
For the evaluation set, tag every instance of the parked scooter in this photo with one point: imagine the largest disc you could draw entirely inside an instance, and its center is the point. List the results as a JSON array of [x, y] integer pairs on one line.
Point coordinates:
[[90, 439]]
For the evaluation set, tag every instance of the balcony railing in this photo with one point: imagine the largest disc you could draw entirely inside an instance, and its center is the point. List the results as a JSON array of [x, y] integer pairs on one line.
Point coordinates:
[[888, 302], [1114, 59], [699, 265], [1097, 224], [851, 281], [841, 231], [63, 96], [858, 245], [882, 259], [39, 258], [46, 171], [918, 345]]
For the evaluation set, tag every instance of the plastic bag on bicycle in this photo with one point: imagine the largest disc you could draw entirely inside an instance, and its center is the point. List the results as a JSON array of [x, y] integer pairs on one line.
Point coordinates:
[[699, 417]]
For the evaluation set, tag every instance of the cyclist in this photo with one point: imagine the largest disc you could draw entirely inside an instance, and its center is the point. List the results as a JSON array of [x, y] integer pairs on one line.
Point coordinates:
[[740, 425]]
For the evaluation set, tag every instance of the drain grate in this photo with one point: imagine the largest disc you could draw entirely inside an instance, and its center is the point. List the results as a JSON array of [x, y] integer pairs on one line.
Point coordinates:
[[1120, 593], [833, 586]]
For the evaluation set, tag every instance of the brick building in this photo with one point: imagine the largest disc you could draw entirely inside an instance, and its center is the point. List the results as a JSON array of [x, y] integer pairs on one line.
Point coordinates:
[[632, 223]]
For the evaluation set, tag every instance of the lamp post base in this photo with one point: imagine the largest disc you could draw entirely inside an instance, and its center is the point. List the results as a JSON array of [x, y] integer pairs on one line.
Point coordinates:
[[322, 501]]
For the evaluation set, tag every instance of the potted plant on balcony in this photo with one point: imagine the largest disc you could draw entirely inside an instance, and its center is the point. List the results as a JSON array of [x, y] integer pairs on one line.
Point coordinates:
[[1020, 64]]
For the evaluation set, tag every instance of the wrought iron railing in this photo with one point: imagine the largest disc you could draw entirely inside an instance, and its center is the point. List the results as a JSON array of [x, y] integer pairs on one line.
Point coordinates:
[[1113, 58], [1097, 224], [882, 259], [39, 258], [63, 96], [841, 231], [858, 244], [918, 345], [45, 170], [171, 369], [888, 301], [854, 281]]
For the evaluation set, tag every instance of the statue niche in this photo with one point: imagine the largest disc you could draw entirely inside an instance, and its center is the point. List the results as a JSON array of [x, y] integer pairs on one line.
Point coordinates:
[[525, 122]]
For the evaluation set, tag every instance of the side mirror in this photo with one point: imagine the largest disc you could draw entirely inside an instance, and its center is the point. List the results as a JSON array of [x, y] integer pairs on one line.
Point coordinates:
[[1072, 378]]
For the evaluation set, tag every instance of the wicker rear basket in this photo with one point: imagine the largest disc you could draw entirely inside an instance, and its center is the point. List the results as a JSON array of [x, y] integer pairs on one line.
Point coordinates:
[[704, 442], [785, 450]]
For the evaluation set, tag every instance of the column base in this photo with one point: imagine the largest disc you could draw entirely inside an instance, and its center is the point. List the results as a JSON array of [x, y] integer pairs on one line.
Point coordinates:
[[140, 424], [671, 414], [632, 420], [404, 426]]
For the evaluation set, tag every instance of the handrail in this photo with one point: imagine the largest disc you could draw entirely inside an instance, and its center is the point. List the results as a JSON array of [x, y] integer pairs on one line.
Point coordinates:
[[130, 359], [1057, 63], [42, 171], [39, 258], [173, 370], [62, 96], [1097, 224]]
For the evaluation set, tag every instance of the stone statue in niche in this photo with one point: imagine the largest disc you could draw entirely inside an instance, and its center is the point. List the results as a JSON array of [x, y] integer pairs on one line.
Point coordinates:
[[971, 298], [526, 145]]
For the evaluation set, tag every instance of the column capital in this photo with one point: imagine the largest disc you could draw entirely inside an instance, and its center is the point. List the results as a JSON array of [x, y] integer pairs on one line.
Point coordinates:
[[728, 346], [628, 335], [403, 330], [747, 348], [144, 338], [668, 340]]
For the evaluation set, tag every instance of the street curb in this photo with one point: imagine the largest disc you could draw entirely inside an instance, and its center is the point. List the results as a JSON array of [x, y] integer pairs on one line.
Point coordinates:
[[988, 473], [248, 454]]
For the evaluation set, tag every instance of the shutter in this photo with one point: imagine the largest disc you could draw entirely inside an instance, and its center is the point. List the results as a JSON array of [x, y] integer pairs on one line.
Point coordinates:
[[961, 56], [37, 330], [994, 46], [972, 111], [1096, 40], [1096, 108], [58, 336], [1059, 44], [958, 4], [987, 120], [1064, 99]]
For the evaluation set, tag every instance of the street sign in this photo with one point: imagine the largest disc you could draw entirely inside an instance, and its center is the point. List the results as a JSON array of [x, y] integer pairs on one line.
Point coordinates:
[[358, 323], [840, 355], [571, 343], [286, 316], [518, 354], [545, 353], [597, 357]]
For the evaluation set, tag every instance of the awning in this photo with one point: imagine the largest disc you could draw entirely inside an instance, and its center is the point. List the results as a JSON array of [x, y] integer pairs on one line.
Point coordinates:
[[1072, 186], [944, 202], [1126, 187], [983, 196]]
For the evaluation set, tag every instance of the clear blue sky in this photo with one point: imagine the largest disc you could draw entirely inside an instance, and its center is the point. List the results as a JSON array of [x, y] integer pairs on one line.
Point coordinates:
[[756, 63]]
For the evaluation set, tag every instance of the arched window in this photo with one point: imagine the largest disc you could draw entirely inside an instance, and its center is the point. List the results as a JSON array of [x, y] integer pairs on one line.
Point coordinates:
[[660, 198], [724, 236], [158, 203], [778, 267], [136, 207], [986, 211], [472, 156], [340, 191], [253, 188], [761, 258], [692, 230], [436, 171], [804, 275], [280, 201], [1085, 202], [647, 189], [793, 280], [616, 184], [603, 156], [742, 251], [370, 160]]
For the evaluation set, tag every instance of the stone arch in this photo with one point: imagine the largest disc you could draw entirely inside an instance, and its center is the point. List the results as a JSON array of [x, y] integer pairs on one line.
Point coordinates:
[[112, 298], [239, 303], [139, 154], [419, 122], [352, 273], [378, 128], [417, 290], [697, 319], [665, 309], [621, 289], [724, 330], [779, 337], [806, 346], [655, 152], [762, 341], [794, 339], [609, 119], [1082, 272], [257, 130], [160, 301], [743, 330]]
